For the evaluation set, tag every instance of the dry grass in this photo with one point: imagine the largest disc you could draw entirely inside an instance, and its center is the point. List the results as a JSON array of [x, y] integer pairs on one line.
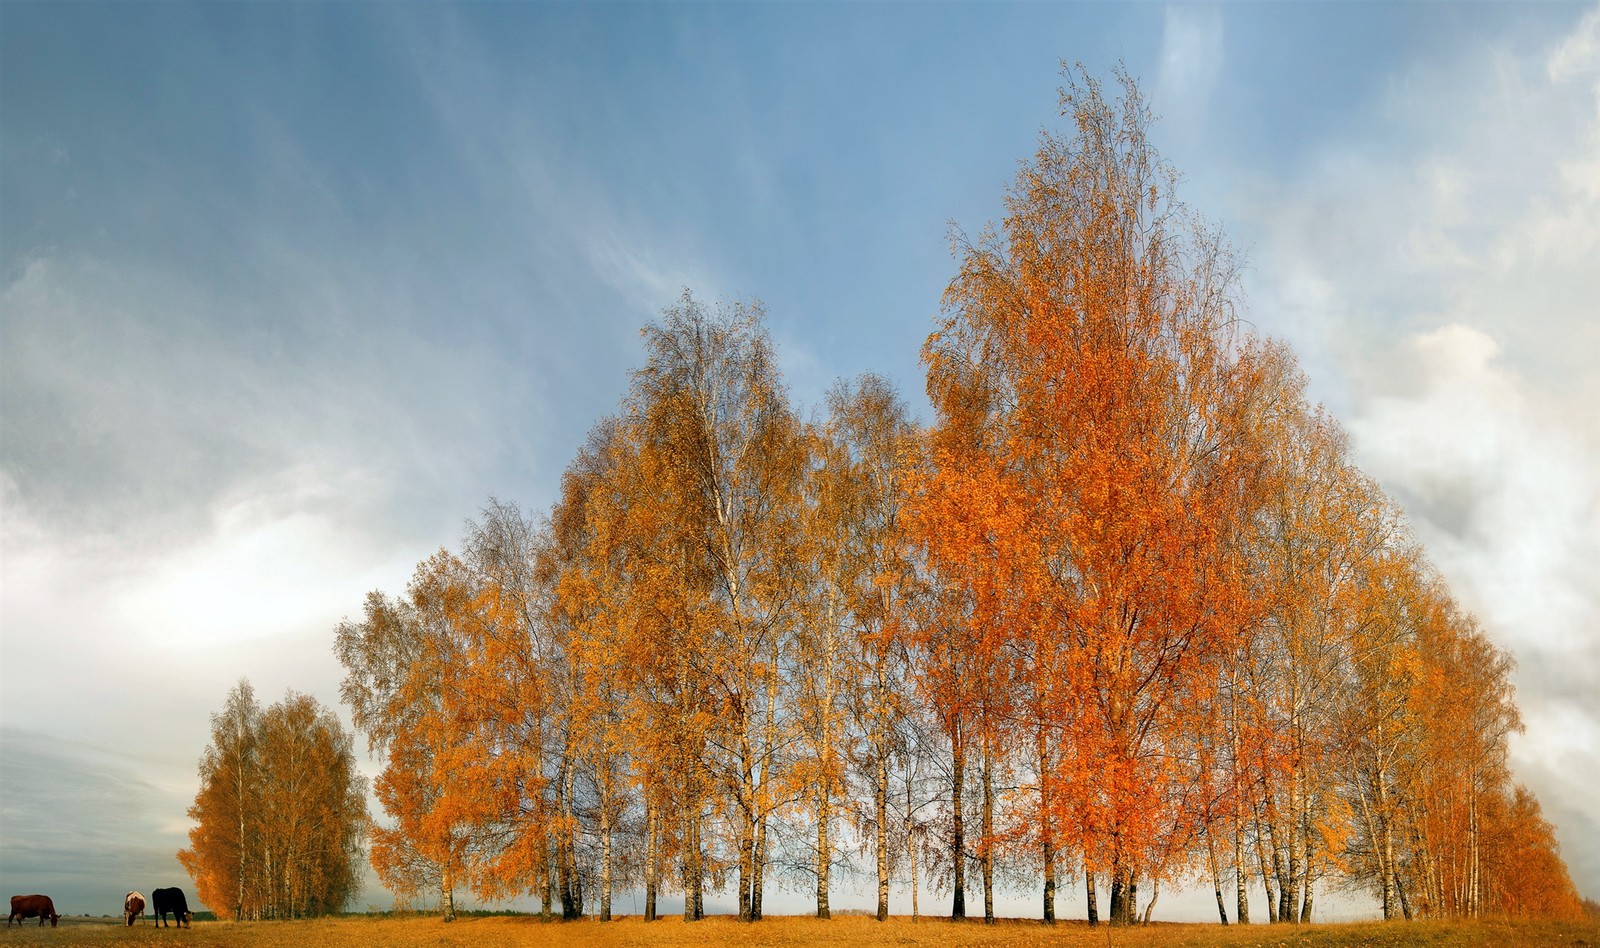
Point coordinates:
[[360, 932]]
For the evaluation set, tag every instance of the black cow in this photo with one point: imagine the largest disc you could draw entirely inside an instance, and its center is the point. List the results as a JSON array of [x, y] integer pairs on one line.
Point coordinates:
[[27, 906], [163, 901]]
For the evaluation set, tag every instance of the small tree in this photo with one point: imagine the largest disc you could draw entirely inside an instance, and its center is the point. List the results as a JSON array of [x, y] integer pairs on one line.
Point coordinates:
[[281, 811], [394, 661]]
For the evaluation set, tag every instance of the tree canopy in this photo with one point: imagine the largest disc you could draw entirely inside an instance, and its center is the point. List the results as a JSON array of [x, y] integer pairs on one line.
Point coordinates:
[[1124, 612], [281, 813]]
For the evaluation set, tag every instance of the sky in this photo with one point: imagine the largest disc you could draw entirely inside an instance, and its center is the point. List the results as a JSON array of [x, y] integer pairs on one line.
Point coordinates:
[[288, 291]]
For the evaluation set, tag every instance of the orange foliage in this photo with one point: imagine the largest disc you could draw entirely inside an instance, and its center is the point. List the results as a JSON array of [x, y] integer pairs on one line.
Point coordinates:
[[1527, 877], [1091, 472], [280, 812], [1129, 599]]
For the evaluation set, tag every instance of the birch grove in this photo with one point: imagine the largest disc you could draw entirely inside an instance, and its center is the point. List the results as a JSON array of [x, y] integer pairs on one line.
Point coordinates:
[[1124, 613]]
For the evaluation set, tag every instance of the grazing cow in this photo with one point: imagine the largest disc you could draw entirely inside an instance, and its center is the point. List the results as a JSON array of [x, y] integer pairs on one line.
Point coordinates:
[[27, 906], [163, 901], [133, 907]]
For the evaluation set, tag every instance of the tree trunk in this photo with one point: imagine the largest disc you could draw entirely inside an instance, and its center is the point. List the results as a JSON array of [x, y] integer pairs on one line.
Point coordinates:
[[1240, 881], [563, 867], [652, 849], [1289, 888], [1433, 885], [880, 803], [1472, 847], [824, 853], [758, 878], [958, 845], [988, 834], [1279, 870], [1309, 874], [547, 901], [1241, 895], [1261, 861], [691, 866], [1094, 906], [240, 791], [746, 801], [605, 851], [911, 848], [1047, 849], [1049, 880], [1380, 849], [1216, 878], [769, 746], [1119, 910], [747, 850], [699, 869], [571, 901]]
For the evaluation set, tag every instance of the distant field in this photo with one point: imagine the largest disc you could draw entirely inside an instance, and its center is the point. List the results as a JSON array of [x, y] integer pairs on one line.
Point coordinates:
[[361, 932]]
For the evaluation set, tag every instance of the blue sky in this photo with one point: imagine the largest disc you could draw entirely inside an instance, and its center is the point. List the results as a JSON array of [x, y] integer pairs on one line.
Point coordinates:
[[288, 290]]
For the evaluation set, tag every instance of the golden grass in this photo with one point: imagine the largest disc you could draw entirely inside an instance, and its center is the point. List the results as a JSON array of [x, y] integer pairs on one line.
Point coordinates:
[[415, 932]]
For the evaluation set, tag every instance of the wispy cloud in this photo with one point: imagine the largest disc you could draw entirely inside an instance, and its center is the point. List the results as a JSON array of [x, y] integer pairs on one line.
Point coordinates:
[[1192, 55], [643, 275]]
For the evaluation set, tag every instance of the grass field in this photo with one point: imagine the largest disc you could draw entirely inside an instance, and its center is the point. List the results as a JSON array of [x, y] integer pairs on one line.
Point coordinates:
[[415, 932]]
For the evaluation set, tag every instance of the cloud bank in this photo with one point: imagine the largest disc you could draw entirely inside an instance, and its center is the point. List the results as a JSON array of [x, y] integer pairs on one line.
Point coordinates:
[[1441, 269]]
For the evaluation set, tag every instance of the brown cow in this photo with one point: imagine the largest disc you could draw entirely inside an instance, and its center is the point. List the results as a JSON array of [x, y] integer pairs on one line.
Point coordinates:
[[133, 907], [27, 906]]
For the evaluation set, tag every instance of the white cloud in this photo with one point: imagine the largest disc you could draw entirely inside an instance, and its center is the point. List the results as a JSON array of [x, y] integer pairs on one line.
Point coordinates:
[[1471, 196], [1446, 257], [1578, 54], [1507, 502], [166, 630], [231, 587], [114, 659], [1508, 505]]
